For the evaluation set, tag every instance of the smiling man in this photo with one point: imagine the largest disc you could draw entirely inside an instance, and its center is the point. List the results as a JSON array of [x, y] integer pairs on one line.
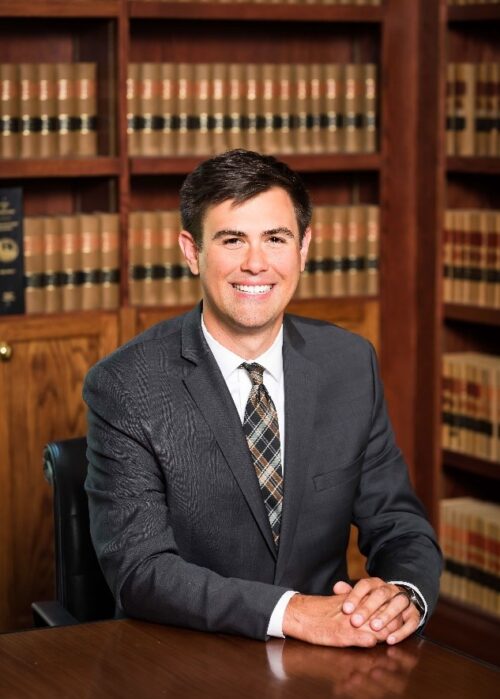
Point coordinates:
[[231, 448]]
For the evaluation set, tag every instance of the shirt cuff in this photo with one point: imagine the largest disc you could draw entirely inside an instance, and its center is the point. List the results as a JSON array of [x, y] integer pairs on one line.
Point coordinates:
[[275, 626], [420, 596]]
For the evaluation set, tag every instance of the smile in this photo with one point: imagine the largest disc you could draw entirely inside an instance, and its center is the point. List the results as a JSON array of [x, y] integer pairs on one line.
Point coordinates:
[[254, 289]]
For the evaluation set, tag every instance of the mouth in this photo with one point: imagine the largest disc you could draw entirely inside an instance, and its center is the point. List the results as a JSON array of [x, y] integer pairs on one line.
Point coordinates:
[[253, 289]]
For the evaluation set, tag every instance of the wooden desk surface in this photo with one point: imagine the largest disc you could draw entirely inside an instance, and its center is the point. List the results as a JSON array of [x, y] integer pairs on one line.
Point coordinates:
[[133, 659]]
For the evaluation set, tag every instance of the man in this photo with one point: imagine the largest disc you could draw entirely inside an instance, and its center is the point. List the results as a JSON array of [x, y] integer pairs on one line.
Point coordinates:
[[231, 448]]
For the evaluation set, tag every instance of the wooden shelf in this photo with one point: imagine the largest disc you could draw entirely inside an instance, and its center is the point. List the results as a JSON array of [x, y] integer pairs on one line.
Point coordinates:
[[472, 164], [59, 167], [473, 13], [33, 324], [471, 464], [472, 314], [466, 628], [304, 163], [60, 8], [254, 11]]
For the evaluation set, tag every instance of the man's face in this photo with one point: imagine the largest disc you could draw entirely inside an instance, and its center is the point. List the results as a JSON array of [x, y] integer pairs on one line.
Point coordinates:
[[249, 264]]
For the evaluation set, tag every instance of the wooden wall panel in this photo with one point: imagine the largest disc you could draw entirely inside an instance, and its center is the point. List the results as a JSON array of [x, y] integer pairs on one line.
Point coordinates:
[[41, 389]]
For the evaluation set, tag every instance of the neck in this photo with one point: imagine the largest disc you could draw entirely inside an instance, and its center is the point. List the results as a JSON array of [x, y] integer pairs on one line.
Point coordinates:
[[246, 344]]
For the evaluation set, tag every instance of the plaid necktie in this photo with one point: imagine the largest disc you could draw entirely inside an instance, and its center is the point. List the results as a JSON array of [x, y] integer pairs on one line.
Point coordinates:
[[261, 429]]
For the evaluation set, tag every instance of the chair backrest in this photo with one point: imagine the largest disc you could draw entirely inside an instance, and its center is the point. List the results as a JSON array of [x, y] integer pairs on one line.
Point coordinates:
[[80, 584]]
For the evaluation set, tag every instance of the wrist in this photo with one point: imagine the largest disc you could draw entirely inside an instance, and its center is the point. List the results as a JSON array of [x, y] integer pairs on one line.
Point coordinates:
[[412, 597]]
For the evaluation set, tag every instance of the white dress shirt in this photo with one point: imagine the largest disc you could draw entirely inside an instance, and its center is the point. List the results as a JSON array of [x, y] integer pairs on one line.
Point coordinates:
[[239, 385]]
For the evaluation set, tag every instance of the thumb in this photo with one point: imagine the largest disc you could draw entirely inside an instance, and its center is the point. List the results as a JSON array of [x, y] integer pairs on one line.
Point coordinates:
[[341, 588]]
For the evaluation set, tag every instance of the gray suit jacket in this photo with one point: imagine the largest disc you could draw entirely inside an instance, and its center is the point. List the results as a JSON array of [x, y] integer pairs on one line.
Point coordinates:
[[177, 517]]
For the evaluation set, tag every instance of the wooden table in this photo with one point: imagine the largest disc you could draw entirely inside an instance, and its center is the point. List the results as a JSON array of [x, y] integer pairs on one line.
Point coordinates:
[[134, 659]]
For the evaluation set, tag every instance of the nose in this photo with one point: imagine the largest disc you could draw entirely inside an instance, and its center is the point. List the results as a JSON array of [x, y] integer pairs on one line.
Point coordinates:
[[254, 260]]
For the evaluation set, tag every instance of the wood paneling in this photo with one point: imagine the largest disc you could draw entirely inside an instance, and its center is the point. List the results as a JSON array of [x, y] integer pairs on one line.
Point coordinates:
[[41, 401]]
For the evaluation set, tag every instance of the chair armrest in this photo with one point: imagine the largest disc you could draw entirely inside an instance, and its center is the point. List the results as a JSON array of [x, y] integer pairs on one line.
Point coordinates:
[[51, 613]]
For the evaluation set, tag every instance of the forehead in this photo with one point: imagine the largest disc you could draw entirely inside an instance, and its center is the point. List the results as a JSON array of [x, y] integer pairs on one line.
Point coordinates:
[[271, 209]]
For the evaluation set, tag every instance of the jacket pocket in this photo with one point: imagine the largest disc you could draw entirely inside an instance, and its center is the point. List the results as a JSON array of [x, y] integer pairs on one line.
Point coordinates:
[[339, 475]]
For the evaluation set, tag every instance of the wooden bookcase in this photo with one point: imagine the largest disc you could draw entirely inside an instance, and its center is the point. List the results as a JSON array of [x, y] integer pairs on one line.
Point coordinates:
[[451, 34], [114, 33]]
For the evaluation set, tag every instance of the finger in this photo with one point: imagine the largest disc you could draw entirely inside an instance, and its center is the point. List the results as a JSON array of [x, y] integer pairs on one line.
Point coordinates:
[[359, 592], [371, 605], [385, 615], [409, 627], [341, 588]]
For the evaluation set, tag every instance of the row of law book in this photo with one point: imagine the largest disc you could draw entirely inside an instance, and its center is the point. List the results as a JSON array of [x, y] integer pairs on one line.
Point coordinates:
[[294, 2], [71, 263], [471, 257], [471, 404], [206, 108], [158, 273], [473, 109], [343, 257], [473, 2], [48, 110], [469, 534]]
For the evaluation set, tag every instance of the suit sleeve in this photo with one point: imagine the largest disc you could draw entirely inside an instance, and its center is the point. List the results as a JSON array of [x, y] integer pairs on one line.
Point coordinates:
[[394, 532], [132, 535]]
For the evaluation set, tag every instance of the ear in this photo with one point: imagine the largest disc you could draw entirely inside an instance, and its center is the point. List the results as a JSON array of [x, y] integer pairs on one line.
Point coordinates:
[[306, 240], [189, 250]]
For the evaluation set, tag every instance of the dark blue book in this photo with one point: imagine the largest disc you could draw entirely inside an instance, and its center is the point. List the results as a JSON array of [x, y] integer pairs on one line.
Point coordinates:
[[11, 251]]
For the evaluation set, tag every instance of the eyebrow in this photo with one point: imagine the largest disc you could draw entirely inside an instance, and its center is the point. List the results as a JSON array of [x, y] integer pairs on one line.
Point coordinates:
[[281, 230]]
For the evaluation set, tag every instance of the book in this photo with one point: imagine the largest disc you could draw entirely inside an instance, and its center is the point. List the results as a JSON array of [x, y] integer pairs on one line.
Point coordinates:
[[65, 108], [353, 108], [9, 111], [370, 108], [269, 138], [34, 283], [67, 230], [285, 78], [167, 109], [184, 101], [29, 145], [11, 251], [236, 102], [469, 534], [333, 110], [315, 107], [321, 250], [109, 235], [450, 109], [54, 275], [218, 119], [300, 105], [90, 261], [169, 226], [85, 102], [149, 108], [252, 115], [133, 109], [135, 258], [465, 104], [47, 92], [202, 108], [372, 215]]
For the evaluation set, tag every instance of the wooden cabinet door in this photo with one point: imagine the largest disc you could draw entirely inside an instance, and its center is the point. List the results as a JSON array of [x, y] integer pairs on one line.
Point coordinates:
[[40, 389]]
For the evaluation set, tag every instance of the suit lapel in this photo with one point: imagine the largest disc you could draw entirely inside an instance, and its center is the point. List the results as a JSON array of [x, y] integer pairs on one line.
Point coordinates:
[[301, 384], [209, 391]]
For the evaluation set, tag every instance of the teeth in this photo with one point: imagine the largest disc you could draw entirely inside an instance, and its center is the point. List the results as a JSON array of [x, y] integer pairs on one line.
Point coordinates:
[[253, 289]]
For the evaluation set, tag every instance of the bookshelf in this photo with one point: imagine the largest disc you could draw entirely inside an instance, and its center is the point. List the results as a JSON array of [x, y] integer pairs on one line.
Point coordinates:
[[52, 353], [451, 34]]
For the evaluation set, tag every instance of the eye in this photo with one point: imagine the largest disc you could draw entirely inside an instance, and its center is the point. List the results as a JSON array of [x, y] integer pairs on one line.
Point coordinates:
[[277, 239], [232, 242]]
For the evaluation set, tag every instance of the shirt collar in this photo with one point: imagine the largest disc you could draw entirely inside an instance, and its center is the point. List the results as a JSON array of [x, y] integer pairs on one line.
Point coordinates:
[[271, 359]]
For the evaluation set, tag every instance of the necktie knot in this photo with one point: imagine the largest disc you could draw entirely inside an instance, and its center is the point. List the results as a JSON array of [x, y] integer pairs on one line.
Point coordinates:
[[255, 371]]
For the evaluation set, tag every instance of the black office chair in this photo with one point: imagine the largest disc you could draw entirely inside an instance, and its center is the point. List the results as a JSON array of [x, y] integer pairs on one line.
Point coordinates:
[[81, 590]]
